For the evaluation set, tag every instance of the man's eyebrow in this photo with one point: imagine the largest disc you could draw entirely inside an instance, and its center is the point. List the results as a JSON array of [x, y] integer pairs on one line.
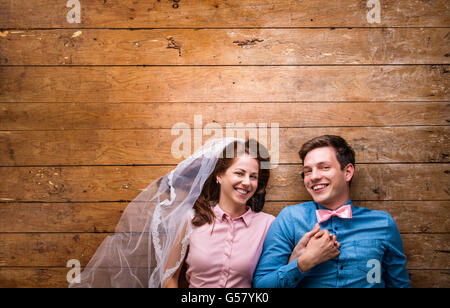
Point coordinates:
[[319, 163]]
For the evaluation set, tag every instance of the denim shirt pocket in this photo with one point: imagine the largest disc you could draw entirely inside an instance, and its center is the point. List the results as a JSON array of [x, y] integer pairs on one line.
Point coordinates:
[[368, 254]]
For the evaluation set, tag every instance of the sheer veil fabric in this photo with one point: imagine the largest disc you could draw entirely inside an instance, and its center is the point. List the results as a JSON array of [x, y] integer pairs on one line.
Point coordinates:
[[152, 236]]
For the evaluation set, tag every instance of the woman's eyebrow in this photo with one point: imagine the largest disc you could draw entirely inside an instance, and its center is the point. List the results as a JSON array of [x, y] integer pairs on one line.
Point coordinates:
[[241, 169]]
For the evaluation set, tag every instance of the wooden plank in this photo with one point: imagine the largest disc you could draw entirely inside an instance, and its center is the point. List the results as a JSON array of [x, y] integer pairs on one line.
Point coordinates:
[[60, 217], [410, 216], [423, 251], [237, 46], [430, 278], [427, 251], [119, 147], [224, 84], [232, 13], [78, 183], [116, 183], [56, 277], [66, 116], [51, 249], [31, 277]]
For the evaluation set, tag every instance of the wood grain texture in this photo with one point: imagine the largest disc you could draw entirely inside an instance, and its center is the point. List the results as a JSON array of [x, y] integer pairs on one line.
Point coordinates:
[[116, 183], [86, 112], [67, 116], [224, 84], [431, 253], [41, 249], [430, 278], [231, 13], [78, 183], [32, 277], [226, 46], [159, 146], [55, 277], [410, 216]]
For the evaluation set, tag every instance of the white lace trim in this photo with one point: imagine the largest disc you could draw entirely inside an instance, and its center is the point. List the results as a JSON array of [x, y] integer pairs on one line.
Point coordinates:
[[217, 146], [157, 218], [184, 244]]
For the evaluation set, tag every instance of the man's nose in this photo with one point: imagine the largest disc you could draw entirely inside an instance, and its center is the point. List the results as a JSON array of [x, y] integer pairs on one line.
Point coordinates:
[[315, 174]]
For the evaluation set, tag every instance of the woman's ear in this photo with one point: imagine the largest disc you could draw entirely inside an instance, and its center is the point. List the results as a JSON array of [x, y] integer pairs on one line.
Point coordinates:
[[219, 178]]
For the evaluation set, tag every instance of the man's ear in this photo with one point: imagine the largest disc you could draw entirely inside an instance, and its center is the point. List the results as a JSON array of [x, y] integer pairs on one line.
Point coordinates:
[[349, 170]]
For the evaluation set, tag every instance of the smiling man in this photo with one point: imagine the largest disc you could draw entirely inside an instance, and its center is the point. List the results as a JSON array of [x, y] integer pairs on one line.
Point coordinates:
[[355, 247]]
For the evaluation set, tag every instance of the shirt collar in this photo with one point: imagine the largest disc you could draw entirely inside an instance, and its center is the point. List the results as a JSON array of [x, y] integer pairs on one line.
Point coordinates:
[[321, 207], [246, 217]]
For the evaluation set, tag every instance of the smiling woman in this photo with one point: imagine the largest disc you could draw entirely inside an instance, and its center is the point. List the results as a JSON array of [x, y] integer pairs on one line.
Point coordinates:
[[229, 227], [238, 184], [203, 214], [233, 183]]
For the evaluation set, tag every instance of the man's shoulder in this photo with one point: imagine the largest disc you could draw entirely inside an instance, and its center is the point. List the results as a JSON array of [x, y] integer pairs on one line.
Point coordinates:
[[295, 218], [383, 217], [376, 213], [299, 207], [300, 211]]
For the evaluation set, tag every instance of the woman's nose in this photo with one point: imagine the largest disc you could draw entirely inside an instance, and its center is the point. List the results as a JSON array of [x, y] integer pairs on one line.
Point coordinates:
[[246, 180]]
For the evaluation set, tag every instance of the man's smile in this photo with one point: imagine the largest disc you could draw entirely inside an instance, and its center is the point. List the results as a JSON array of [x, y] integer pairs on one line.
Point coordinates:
[[319, 187]]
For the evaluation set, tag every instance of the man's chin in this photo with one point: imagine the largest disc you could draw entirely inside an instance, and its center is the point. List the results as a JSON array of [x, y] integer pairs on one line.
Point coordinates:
[[319, 199]]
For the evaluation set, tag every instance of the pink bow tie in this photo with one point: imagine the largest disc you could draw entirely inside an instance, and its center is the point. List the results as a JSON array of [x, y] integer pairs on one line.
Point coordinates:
[[342, 212]]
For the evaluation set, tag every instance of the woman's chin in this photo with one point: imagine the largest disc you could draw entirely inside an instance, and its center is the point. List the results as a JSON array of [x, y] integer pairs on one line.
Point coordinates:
[[241, 201]]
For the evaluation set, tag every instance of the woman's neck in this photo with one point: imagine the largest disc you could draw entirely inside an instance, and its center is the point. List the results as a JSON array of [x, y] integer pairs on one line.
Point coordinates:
[[232, 209]]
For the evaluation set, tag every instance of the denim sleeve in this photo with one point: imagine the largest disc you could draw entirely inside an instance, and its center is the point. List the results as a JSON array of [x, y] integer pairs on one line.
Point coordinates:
[[395, 273], [273, 270]]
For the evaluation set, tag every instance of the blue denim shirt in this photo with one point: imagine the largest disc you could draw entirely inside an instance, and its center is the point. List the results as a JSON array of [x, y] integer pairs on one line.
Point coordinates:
[[371, 253]]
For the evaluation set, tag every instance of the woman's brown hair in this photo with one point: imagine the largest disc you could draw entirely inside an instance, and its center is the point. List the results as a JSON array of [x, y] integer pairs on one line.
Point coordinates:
[[211, 189]]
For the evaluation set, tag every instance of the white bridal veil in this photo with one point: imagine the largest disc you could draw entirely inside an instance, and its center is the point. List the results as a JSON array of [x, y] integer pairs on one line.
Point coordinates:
[[151, 238]]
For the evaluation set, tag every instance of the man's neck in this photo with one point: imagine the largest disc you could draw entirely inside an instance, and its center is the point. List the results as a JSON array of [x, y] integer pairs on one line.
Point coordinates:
[[335, 205]]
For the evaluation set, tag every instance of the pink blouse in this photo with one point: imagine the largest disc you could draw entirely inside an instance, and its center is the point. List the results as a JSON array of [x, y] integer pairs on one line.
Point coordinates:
[[227, 257]]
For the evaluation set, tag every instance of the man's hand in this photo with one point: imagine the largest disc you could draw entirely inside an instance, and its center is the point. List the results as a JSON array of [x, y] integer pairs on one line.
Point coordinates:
[[301, 245], [321, 247]]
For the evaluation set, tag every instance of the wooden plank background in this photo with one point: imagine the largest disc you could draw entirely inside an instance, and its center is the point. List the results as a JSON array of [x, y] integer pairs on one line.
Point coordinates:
[[86, 111]]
